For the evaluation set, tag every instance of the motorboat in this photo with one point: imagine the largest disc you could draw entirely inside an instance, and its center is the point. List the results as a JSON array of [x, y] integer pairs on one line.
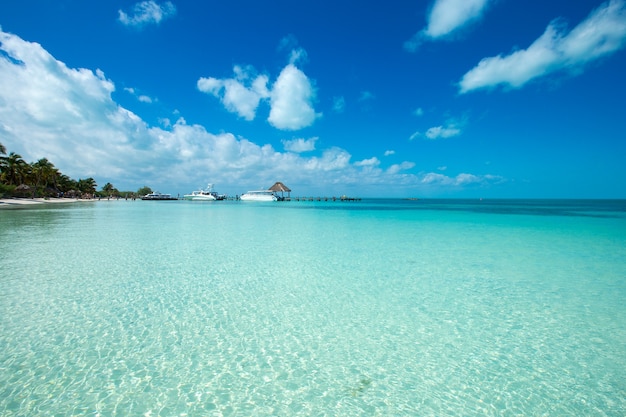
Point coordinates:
[[157, 196], [204, 195], [259, 195], [199, 195]]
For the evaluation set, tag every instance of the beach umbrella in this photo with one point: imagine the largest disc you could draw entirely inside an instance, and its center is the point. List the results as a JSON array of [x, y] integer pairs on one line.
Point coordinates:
[[22, 190]]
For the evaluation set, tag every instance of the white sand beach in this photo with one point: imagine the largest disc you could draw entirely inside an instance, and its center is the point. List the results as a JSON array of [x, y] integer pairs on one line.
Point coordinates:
[[22, 202]]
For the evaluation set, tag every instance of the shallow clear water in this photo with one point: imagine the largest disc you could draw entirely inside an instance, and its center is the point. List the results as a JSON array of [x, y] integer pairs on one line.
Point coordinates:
[[371, 308]]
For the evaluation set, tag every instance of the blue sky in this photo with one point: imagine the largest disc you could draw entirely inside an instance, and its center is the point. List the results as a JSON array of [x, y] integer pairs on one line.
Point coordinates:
[[437, 98]]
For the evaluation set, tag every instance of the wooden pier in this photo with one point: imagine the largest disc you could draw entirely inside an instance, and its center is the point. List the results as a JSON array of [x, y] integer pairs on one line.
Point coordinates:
[[342, 198]]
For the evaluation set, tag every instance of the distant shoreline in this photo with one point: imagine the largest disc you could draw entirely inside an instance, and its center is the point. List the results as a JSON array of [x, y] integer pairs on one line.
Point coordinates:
[[30, 202]]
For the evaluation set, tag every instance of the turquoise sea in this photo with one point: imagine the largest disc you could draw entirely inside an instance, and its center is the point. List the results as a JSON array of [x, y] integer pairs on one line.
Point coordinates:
[[367, 308]]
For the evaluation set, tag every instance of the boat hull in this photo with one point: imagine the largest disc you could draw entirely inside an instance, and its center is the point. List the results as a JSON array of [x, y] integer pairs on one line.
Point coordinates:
[[158, 197], [263, 195], [199, 197]]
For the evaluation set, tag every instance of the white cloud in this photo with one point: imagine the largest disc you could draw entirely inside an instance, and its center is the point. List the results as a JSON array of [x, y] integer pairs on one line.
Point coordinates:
[[415, 135], [396, 168], [210, 85], [442, 132], [368, 162], [38, 105], [418, 112], [447, 17], [389, 152], [433, 177], [300, 145], [297, 55], [68, 116], [147, 12], [291, 97], [291, 100], [141, 97], [333, 159], [601, 34], [461, 180], [240, 94]]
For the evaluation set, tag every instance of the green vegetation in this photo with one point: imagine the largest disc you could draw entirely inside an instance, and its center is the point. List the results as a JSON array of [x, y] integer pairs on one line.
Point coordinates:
[[42, 179], [144, 190]]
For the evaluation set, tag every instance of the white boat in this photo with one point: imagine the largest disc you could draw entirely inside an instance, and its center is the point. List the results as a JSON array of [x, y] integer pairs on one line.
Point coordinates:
[[260, 195], [157, 196], [204, 195]]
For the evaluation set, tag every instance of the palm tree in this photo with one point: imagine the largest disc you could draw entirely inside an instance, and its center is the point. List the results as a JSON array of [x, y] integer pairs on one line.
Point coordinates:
[[87, 186], [45, 174], [110, 190], [66, 184], [4, 189], [14, 169]]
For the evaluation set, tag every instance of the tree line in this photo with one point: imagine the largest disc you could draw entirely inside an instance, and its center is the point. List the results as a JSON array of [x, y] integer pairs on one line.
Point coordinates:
[[19, 178]]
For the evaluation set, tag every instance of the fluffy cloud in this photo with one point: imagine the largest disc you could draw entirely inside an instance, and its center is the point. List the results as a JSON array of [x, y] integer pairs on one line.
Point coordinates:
[[450, 129], [291, 97], [39, 106], [147, 12], [240, 94], [446, 17], [333, 159], [442, 132], [300, 145], [297, 55], [141, 97], [601, 34], [368, 162], [460, 180], [396, 168], [291, 100]]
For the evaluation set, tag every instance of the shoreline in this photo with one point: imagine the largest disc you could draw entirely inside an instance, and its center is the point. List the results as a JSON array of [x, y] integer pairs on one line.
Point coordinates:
[[30, 202]]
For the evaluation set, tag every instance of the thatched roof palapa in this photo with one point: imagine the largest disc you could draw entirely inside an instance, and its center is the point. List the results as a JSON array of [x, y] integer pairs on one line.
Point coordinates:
[[279, 186]]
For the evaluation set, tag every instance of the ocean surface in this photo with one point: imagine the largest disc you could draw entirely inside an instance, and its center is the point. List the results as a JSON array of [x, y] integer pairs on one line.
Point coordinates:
[[365, 308]]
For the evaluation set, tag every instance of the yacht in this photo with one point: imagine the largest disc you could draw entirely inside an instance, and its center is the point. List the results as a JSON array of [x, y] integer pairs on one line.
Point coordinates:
[[203, 195], [158, 196], [260, 195]]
